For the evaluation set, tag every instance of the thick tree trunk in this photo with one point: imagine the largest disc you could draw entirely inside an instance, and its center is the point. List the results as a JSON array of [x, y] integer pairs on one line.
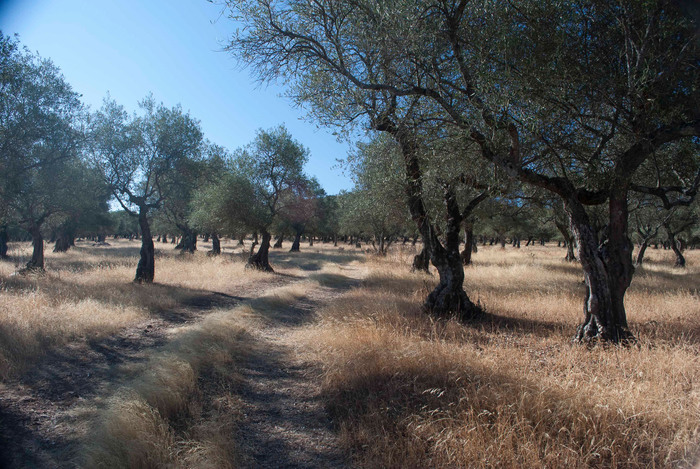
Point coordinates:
[[188, 242], [468, 245], [421, 261], [606, 276], [448, 298], [215, 245], [37, 260], [64, 240], [63, 243], [296, 242], [279, 241], [260, 260], [146, 269], [3, 242]]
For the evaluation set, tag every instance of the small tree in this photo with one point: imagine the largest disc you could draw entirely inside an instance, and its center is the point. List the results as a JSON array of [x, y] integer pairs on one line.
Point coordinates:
[[274, 165]]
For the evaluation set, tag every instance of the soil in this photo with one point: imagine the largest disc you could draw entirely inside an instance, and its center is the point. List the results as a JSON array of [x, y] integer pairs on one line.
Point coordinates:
[[285, 423]]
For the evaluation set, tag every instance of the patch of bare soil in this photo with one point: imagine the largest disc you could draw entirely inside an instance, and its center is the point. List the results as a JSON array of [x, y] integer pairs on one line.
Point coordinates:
[[285, 424], [46, 412]]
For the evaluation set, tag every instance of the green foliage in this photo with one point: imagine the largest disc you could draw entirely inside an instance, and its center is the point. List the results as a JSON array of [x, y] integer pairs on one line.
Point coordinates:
[[41, 135], [146, 158]]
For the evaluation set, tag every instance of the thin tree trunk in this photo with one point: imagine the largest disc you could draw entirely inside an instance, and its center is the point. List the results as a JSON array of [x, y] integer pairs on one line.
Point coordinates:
[[296, 242], [146, 269], [468, 245], [640, 254], [680, 259], [568, 240], [215, 245], [260, 260], [279, 241]]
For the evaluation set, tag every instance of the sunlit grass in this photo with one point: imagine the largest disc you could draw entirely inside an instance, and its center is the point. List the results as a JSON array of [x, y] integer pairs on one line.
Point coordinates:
[[512, 390]]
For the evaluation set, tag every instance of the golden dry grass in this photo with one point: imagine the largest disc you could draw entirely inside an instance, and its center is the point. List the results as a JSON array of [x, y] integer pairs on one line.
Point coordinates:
[[509, 390], [512, 390], [181, 408], [88, 292]]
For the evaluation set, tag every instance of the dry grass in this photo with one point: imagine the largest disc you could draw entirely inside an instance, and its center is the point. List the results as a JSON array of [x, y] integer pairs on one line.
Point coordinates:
[[512, 390], [182, 407], [88, 292]]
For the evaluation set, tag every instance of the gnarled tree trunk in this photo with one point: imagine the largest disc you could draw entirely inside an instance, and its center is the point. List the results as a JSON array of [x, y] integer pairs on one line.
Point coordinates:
[[448, 298], [607, 275], [421, 261], [260, 260], [680, 259], [188, 242], [146, 269], [279, 241]]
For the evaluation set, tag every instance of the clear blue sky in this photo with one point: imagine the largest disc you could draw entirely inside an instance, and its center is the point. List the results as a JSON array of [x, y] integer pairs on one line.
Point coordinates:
[[173, 49]]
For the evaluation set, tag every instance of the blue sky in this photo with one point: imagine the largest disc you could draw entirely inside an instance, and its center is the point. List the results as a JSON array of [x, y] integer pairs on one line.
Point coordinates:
[[171, 48]]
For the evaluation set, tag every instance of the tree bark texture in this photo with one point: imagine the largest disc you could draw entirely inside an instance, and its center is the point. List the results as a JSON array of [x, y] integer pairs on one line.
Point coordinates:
[[3, 242], [448, 298], [468, 245], [606, 284], [146, 268], [37, 260], [296, 242], [421, 261], [260, 260]]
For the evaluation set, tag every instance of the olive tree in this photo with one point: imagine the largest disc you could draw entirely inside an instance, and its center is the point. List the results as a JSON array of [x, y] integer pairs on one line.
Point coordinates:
[[40, 142], [139, 156], [573, 97]]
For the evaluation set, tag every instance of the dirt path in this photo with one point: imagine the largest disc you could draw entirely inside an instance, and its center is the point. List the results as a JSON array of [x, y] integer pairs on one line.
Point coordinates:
[[45, 413], [285, 424]]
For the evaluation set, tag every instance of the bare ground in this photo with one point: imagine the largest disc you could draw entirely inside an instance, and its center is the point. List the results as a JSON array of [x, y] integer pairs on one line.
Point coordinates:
[[46, 413], [285, 424]]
